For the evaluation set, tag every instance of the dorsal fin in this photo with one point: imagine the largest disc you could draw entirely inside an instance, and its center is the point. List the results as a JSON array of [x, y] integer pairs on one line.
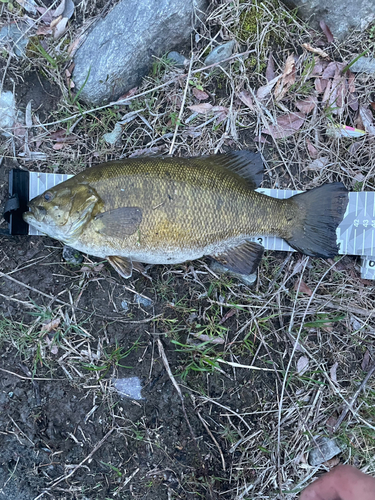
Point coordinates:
[[247, 164]]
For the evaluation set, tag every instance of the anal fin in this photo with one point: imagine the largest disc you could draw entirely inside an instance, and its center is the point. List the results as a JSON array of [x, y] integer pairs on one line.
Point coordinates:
[[123, 265], [243, 259]]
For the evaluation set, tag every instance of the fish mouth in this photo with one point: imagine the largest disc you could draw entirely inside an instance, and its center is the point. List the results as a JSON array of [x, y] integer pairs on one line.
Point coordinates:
[[35, 213]]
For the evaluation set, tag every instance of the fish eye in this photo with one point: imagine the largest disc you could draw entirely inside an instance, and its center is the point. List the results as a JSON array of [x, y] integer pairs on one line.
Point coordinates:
[[48, 196]]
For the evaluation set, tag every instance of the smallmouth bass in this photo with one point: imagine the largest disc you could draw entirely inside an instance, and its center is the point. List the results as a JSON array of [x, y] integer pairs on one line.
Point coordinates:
[[163, 210]]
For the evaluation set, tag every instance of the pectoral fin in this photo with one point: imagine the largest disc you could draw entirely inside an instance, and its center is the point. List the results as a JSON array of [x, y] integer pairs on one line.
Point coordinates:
[[119, 222], [243, 259], [123, 265]]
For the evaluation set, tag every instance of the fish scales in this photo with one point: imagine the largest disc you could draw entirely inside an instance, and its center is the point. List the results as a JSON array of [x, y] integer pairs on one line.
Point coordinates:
[[185, 209], [161, 210]]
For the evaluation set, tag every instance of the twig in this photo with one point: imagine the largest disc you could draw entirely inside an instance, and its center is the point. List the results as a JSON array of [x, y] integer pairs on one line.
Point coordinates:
[[177, 387], [349, 407], [182, 106], [213, 439], [64, 478], [29, 378], [249, 367]]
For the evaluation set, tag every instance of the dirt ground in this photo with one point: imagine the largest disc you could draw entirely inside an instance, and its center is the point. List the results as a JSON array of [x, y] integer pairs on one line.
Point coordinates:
[[54, 421], [239, 382]]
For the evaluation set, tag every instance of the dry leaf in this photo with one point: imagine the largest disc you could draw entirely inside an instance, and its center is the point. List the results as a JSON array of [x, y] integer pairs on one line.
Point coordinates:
[[69, 9], [288, 78], [47, 15], [286, 125], [202, 108], [28, 119], [367, 120], [320, 52], [318, 164], [331, 423], [19, 130], [312, 149], [44, 30], [366, 361], [270, 70], [60, 28], [351, 81], [95, 268], [333, 69], [221, 109], [60, 136], [327, 91], [221, 117], [51, 326], [332, 372], [319, 67], [130, 93], [200, 94], [307, 105], [320, 84], [332, 462], [227, 315], [326, 31], [302, 287], [60, 9], [353, 101], [302, 365], [263, 91], [73, 47], [246, 98], [207, 338]]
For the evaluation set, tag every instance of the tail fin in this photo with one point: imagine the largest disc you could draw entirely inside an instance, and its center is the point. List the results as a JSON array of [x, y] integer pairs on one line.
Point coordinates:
[[321, 211]]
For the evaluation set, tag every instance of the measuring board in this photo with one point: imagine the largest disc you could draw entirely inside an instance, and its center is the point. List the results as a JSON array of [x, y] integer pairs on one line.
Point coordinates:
[[355, 234]]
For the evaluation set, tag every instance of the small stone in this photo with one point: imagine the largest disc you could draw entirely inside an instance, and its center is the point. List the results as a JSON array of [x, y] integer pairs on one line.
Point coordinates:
[[143, 301], [125, 306], [14, 35], [112, 137], [129, 387], [178, 59], [7, 113], [72, 256], [247, 279], [324, 450], [220, 53]]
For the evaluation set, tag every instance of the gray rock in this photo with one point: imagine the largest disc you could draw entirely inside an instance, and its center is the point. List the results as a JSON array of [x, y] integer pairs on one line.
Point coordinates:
[[341, 16], [129, 387], [143, 301], [13, 35], [178, 59], [220, 53], [118, 52], [125, 306], [364, 65], [324, 450], [247, 279], [8, 113], [72, 256]]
